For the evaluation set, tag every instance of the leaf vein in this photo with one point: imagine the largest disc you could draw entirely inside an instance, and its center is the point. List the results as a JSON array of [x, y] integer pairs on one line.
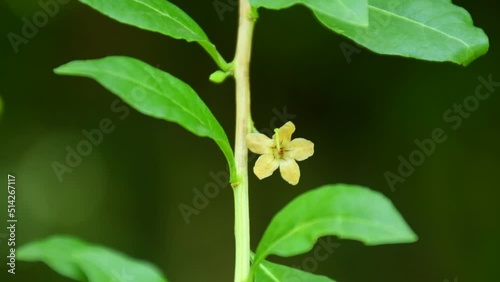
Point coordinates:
[[419, 23], [339, 218], [165, 15], [160, 94]]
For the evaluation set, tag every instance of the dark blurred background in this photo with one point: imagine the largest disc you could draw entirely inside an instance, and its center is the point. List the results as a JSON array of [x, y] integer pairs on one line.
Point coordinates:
[[361, 115]]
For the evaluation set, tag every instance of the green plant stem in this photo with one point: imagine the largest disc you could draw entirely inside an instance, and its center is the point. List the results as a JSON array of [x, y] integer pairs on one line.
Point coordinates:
[[241, 74]]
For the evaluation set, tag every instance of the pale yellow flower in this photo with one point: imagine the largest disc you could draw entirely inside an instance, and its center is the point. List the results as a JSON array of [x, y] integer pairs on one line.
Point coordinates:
[[280, 151]]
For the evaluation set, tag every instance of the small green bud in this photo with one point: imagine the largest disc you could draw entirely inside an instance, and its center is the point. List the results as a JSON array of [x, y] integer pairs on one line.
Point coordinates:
[[219, 76]]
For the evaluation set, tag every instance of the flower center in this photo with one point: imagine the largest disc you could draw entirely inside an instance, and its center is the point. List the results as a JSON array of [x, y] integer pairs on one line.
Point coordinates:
[[279, 150]]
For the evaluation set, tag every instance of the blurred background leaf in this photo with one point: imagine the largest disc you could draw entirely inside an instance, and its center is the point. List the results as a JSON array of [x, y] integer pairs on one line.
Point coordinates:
[[81, 261]]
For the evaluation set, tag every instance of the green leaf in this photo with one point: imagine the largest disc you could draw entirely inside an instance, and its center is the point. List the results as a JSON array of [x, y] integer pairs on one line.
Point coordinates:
[[354, 12], [154, 93], [347, 211], [272, 272], [434, 30], [101, 264], [158, 16], [81, 261], [58, 253]]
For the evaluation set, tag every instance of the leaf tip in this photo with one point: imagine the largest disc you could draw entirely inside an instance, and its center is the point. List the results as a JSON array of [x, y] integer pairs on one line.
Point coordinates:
[[61, 70], [58, 70]]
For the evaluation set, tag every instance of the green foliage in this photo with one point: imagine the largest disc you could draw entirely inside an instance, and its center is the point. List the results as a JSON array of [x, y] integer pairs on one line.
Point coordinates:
[[434, 30], [158, 16], [154, 93], [272, 272], [81, 261], [347, 211], [354, 12]]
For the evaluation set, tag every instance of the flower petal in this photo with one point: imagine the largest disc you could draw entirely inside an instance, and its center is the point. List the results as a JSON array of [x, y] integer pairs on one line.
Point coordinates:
[[285, 133], [265, 166], [259, 143], [290, 171], [299, 149]]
